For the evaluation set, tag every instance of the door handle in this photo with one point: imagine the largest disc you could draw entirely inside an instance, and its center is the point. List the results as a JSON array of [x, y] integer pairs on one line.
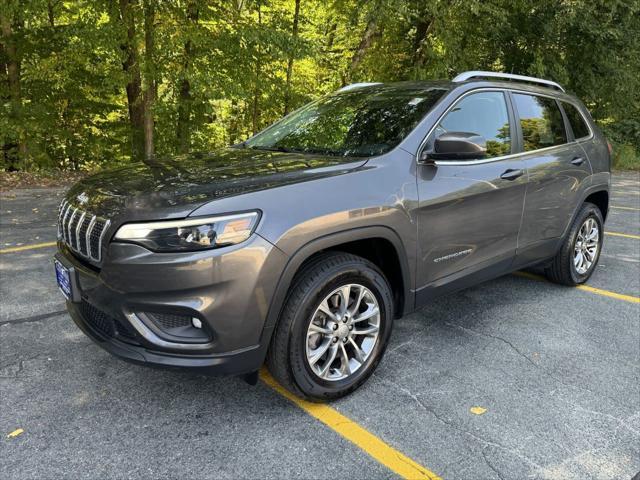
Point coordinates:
[[512, 174], [577, 161]]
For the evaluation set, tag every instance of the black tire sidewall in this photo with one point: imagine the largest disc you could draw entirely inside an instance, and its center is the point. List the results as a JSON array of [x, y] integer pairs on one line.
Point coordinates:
[[590, 211], [302, 374]]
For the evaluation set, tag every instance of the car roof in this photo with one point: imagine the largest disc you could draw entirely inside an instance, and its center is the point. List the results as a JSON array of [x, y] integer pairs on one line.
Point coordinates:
[[416, 86]]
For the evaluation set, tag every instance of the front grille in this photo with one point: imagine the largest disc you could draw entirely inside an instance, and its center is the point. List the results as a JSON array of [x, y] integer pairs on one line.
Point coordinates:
[[105, 323], [81, 231]]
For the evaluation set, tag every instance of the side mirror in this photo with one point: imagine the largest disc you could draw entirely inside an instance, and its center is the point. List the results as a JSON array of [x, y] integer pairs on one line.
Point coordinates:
[[458, 146]]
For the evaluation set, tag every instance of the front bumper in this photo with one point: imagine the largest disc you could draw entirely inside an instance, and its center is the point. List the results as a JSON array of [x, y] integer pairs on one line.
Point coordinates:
[[228, 290]]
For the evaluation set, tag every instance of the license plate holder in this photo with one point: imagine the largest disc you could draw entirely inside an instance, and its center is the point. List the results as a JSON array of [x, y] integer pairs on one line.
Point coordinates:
[[63, 277]]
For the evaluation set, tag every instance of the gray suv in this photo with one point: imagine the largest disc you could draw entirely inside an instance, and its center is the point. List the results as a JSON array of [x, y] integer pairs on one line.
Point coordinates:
[[301, 245]]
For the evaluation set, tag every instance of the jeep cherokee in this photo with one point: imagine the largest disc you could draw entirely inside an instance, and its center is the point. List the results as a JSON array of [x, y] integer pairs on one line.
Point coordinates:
[[301, 245]]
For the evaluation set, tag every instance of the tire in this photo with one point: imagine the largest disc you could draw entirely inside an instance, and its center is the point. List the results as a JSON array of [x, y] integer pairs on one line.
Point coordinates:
[[563, 269], [290, 359]]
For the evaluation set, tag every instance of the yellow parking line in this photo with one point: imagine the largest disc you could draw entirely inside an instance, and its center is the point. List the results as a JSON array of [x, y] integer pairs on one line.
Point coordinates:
[[625, 235], [27, 247], [625, 208], [586, 288], [359, 436]]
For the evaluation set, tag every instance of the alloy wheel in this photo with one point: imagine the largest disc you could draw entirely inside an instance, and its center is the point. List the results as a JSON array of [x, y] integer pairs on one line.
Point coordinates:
[[343, 332], [586, 246]]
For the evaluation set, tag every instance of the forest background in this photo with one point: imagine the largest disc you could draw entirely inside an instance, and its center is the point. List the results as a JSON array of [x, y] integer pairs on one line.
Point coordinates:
[[90, 84]]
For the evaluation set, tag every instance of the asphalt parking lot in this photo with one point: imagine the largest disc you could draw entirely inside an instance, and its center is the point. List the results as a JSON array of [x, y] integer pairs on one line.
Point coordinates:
[[555, 371]]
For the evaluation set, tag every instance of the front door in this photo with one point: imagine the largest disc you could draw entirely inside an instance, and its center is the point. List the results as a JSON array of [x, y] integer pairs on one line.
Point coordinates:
[[469, 211]]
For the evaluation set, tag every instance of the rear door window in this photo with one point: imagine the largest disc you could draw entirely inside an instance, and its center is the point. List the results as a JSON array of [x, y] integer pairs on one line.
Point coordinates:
[[540, 120], [578, 124]]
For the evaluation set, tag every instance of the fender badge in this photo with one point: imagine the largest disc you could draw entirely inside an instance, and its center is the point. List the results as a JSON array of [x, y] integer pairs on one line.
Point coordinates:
[[453, 255]]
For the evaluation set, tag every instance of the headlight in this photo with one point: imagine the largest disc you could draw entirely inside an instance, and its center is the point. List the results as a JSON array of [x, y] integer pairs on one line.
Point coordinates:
[[190, 234]]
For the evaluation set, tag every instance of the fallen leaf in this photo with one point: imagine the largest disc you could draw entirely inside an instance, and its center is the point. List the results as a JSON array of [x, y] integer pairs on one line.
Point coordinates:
[[15, 433], [477, 410]]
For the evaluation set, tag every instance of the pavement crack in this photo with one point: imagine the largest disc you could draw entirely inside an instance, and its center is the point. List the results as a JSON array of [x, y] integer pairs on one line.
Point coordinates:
[[621, 422], [20, 363], [34, 318], [536, 365], [489, 464], [495, 337], [456, 427]]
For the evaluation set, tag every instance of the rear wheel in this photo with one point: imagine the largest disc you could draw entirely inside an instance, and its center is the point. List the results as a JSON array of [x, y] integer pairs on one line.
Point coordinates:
[[579, 254], [333, 329]]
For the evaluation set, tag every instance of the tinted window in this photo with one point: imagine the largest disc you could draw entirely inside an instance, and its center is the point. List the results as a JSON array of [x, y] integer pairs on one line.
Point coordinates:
[[484, 114], [541, 121], [362, 122], [578, 125]]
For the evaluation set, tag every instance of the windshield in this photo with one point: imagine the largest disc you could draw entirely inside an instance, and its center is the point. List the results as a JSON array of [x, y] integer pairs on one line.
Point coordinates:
[[362, 123]]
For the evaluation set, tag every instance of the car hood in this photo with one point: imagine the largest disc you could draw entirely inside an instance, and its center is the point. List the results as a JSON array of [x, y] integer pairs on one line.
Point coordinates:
[[173, 188]]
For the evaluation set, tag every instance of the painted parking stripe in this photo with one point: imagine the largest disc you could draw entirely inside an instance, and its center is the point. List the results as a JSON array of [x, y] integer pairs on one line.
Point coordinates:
[[624, 235], [625, 208], [586, 288], [28, 247], [356, 434]]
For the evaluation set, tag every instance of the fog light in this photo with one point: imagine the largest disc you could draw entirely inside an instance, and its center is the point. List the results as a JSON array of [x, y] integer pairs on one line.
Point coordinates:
[[196, 322]]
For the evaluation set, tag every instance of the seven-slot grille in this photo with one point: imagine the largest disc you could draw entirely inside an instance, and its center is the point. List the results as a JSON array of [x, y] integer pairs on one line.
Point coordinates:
[[81, 231]]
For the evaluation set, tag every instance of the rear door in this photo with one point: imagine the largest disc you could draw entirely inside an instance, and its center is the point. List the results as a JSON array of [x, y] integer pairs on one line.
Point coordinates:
[[558, 169], [469, 211]]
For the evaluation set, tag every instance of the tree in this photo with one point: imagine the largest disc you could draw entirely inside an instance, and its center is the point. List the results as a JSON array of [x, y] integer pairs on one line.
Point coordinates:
[[294, 35], [91, 84], [185, 98], [14, 145]]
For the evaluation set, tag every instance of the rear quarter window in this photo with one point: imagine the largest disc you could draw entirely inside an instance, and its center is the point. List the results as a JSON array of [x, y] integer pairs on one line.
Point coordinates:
[[578, 124], [540, 120]]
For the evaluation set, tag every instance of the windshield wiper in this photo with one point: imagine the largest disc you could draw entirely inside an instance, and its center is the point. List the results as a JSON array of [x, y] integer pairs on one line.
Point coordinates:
[[270, 149]]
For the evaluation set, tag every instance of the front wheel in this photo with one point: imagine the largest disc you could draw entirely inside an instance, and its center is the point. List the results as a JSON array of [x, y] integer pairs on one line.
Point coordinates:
[[333, 329], [580, 251]]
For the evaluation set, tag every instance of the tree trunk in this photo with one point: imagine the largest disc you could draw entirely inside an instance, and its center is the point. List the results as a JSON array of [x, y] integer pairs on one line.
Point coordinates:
[[150, 91], [371, 32], [185, 99], [50, 13], [294, 35], [255, 114], [15, 150], [131, 68], [423, 28]]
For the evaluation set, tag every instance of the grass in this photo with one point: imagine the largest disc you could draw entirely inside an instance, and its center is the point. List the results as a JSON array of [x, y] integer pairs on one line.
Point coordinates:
[[625, 157]]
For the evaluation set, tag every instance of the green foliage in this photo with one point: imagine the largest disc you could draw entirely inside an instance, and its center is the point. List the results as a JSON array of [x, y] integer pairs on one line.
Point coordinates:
[[216, 71], [625, 157]]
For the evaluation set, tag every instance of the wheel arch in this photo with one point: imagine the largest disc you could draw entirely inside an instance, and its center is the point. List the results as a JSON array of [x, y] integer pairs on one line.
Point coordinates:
[[373, 237], [600, 199], [598, 192]]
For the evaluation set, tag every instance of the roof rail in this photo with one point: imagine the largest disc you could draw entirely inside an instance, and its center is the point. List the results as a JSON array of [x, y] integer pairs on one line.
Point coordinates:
[[353, 86], [464, 76]]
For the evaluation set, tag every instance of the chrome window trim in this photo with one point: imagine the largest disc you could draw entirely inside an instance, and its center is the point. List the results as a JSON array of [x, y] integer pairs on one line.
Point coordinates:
[[503, 157]]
